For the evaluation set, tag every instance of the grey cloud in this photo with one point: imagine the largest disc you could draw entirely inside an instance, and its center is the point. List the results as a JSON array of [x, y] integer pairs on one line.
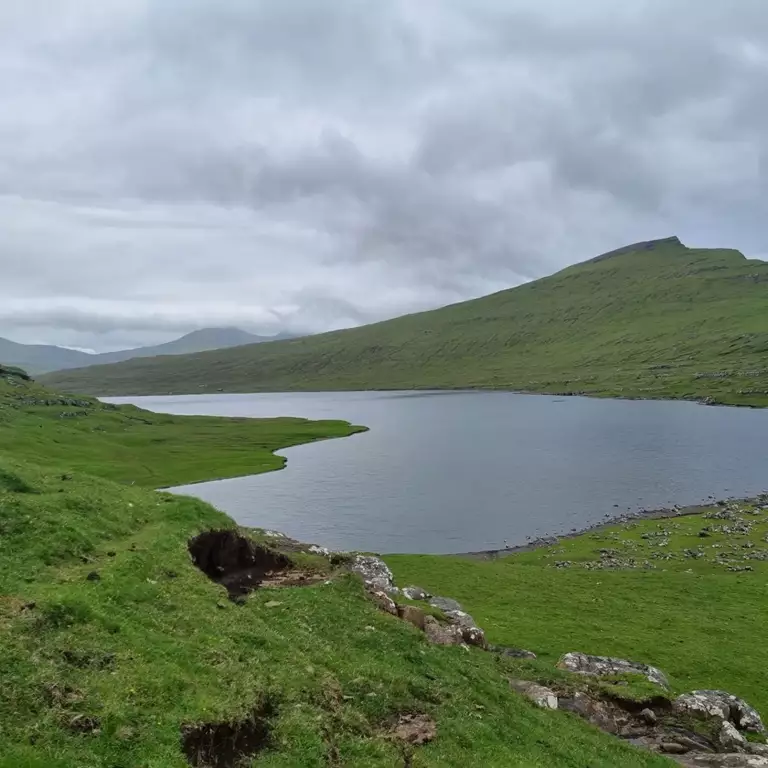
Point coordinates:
[[316, 164]]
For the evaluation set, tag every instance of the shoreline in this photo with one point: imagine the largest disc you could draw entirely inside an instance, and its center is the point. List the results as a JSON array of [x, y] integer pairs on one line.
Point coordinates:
[[651, 514]]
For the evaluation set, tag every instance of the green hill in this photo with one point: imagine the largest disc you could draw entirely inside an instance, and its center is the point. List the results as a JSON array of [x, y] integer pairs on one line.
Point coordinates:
[[656, 319]]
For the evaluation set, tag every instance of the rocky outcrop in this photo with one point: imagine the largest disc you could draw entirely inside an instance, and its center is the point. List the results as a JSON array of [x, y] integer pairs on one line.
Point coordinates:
[[601, 666], [375, 573], [720, 705], [445, 604]]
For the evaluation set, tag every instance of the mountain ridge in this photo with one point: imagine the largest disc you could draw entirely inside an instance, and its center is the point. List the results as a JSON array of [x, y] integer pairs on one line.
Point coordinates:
[[47, 358], [657, 320]]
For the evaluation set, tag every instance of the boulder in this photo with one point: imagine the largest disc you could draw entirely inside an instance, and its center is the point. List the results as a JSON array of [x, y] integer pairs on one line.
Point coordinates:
[[720, 705], [412, 615], [442, 634], [416, 593], [375, 573], [729, 738], [541, 696], [384, 602], [585, 664], [444, 604], [460, 619], [513, 653]]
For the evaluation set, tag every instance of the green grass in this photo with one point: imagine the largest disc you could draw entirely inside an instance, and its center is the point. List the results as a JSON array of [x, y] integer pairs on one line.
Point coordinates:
[[105, 673], [148, 449], [692, 617], [668, 322]]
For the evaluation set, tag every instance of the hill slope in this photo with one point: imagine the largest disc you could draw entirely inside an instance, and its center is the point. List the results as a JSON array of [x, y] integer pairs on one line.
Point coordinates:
[[43, 358], [652, 320], [118, 651]]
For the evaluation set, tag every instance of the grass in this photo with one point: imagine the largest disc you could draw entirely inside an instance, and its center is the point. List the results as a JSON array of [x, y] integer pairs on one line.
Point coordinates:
[[134, 446], [659, 593], [666, 322], [114, 642]]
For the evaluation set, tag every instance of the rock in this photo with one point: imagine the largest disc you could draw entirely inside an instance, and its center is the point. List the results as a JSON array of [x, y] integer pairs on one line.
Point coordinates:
[[416, 593], [272, 604], [445, 604], [375, 573], [757, 749], [649, 716], [513, 653], [412, 615], [699, 760], [729, 738], [541, 696], [460, 619], [720, 705], [384, 602], [606, 716], [585, 664], [93, 576], [315, 550], [442, 634], [673, 748], [473, 636]]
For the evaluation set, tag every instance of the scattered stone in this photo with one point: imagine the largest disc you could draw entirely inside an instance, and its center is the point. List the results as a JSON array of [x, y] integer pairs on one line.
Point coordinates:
[[315, 550], [513, 653], [414, 729], [384, 602], [585, 664], [730, 738], [412, 615], [445, 604], [649, 716], [375, 573], [541, 696], [416, 593], [274, 534]]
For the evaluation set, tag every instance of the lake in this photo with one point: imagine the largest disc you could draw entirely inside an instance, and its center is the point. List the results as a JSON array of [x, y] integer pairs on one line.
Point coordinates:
[[444, 472]]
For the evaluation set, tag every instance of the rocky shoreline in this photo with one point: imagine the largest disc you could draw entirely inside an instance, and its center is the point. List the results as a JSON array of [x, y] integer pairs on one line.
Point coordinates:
[[610, 522]]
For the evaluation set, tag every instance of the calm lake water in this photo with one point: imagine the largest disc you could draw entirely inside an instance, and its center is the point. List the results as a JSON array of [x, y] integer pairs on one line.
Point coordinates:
[[463, 471]]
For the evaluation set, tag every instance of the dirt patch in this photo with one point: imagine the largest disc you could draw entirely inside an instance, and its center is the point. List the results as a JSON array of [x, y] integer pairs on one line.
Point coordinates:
[[228, 744], [414, 729], [240, 565]]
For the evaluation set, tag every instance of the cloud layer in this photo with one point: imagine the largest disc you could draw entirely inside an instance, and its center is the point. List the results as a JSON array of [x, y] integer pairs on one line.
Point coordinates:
[[314, 164]]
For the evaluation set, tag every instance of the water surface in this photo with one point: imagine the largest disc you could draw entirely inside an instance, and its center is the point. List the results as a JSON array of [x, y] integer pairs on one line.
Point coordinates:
[[464, 471]]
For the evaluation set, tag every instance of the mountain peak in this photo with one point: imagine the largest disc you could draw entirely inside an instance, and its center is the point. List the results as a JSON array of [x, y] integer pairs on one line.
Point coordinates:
[[643, 245]]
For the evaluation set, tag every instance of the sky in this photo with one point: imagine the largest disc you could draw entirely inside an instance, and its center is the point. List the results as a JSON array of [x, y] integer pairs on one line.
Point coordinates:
[[309, 165]]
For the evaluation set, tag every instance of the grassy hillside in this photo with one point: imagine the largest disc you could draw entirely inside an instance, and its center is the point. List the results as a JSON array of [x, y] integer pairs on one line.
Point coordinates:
[[119, 652], [655, 321]]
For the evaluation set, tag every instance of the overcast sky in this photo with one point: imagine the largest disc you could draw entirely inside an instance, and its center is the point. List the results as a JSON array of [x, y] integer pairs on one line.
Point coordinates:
[[315, 164]]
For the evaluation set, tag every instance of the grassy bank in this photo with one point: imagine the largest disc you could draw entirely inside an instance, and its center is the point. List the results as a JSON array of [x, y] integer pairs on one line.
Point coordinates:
[[671, 322], [119, 652], [667, 592], [134, 446]]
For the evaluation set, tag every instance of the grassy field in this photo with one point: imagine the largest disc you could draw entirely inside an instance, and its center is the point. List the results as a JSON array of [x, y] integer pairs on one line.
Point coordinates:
[[118, 652], [137, 447], [666, 322], [655, 591]]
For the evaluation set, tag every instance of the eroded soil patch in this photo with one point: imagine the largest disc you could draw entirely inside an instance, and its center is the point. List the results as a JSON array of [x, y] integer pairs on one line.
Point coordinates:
[[240, 565], [228, 744]]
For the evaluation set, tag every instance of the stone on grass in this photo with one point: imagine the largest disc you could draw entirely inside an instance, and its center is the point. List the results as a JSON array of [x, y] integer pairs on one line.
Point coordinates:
[[540, 695], [599, 666], [720, 705], [416, 593], [375, 573], [384, 602], [512, 653], [445, 604]]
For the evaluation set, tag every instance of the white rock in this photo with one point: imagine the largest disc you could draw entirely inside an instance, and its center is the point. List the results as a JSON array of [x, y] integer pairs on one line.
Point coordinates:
[[541, 696], [585, 664]]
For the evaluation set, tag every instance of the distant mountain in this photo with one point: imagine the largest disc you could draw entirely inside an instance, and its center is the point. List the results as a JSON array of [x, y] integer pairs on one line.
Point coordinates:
[[43, 358], [654, 319]]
